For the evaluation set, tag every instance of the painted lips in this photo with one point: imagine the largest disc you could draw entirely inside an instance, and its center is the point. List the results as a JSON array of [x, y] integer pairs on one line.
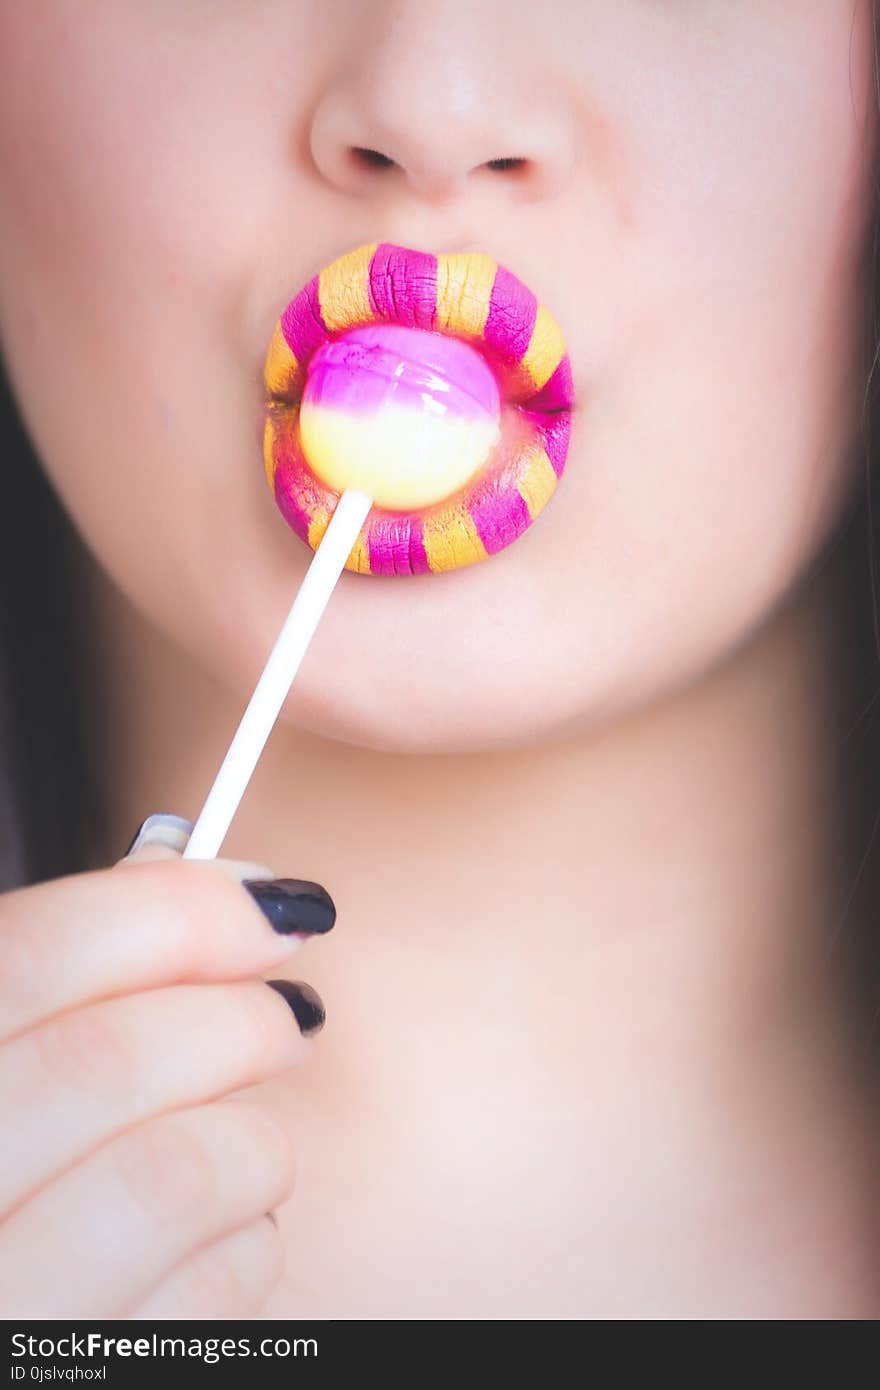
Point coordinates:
[[469, 297]]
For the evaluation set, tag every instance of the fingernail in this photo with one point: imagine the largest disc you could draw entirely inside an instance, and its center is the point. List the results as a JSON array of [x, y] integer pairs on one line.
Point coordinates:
[[293, 905], [308, 1010], [161, 829], [166, 832]]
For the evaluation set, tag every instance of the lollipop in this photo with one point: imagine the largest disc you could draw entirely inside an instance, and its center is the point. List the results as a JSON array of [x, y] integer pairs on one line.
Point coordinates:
[[417, 420], [403, 415]]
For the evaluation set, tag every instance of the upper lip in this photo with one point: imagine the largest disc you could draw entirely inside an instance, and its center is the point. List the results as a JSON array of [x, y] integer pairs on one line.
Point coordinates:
[[466, 294]]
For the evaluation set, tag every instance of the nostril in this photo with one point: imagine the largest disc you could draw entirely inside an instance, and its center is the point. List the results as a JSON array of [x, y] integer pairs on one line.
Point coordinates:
[[370, 159], [506, 165]]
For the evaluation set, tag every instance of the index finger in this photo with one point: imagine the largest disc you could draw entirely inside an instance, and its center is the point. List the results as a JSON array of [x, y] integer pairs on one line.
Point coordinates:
[[114, 931]]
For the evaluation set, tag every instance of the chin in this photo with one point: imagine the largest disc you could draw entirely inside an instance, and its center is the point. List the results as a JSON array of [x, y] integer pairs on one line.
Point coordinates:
[[443, 665], [424, 721]]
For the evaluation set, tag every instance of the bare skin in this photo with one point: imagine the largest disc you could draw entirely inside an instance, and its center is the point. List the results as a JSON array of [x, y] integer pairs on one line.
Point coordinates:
[[584, 1054]]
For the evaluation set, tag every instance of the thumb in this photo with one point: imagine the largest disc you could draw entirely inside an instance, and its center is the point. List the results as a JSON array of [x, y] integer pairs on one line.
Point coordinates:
[[163, 836]]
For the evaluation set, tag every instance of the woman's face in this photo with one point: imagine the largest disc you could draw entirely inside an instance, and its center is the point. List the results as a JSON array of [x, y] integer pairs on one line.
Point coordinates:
[[693, 212]]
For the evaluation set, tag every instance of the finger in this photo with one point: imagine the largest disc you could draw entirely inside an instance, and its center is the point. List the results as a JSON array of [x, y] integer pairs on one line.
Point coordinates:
[[158, 836], [87, 937], [165, 836], [95, 1242], [230, 1279], [88, 1075]]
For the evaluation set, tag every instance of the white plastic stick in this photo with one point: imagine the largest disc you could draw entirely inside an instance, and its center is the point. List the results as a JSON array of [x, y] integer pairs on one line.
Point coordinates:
[[278, 675]]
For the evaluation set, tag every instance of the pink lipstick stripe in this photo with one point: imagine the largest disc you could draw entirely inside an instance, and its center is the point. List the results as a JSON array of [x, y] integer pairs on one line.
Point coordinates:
[[302, 322], [397, 546], [511, 320], [403, 288]]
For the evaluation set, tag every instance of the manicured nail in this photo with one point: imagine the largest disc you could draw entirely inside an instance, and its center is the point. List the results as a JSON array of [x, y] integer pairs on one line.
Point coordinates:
[[293, 905], [161, 829], [163, 835], [308, 1010]]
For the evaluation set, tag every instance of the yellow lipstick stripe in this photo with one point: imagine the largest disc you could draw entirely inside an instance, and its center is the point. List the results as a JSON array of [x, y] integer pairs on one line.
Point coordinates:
[[269, 451], [281, 371], [451, 540], [344, 290], [538, 481], [464, 292], [359, 559], [545, 351], [318, 525]]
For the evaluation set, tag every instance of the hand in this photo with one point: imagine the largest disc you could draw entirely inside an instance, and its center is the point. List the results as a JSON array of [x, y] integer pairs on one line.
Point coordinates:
[[131, 1183]]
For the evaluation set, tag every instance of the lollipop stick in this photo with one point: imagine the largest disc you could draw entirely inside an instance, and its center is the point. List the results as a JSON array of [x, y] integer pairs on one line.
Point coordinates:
[[278, 674]]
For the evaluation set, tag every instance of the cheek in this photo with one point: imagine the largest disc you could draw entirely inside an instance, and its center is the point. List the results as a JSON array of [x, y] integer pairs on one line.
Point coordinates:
[[135, 192], [723, 436]]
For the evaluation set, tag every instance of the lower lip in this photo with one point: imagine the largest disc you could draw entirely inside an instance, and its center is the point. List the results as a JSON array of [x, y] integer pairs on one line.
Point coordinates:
[[521, 474]]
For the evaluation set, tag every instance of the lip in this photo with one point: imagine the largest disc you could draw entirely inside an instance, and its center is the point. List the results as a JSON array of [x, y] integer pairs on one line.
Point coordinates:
[[469, 296]]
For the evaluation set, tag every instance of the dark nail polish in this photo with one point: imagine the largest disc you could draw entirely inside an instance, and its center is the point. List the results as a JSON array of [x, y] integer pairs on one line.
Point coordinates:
[[308, 1010], [293, 905]]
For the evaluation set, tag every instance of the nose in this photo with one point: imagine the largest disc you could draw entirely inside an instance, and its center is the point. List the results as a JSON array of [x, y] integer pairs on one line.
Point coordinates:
[[433, 96]]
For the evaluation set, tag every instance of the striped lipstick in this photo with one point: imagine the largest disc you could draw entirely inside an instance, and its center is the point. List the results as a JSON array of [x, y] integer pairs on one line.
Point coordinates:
[[468, 297]]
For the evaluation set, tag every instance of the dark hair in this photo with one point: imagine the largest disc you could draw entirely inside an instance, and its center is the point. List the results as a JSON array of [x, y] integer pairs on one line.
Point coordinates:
[[51, 816], [49, 811]]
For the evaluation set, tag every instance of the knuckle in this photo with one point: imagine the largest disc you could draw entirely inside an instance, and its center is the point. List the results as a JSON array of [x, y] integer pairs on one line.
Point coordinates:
[[214, 1282], [23, 954], [235, 1276], [167, 1168], [271, 1140], [86, 1051], [269, 1268], [19, 968], [190, 1166]]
